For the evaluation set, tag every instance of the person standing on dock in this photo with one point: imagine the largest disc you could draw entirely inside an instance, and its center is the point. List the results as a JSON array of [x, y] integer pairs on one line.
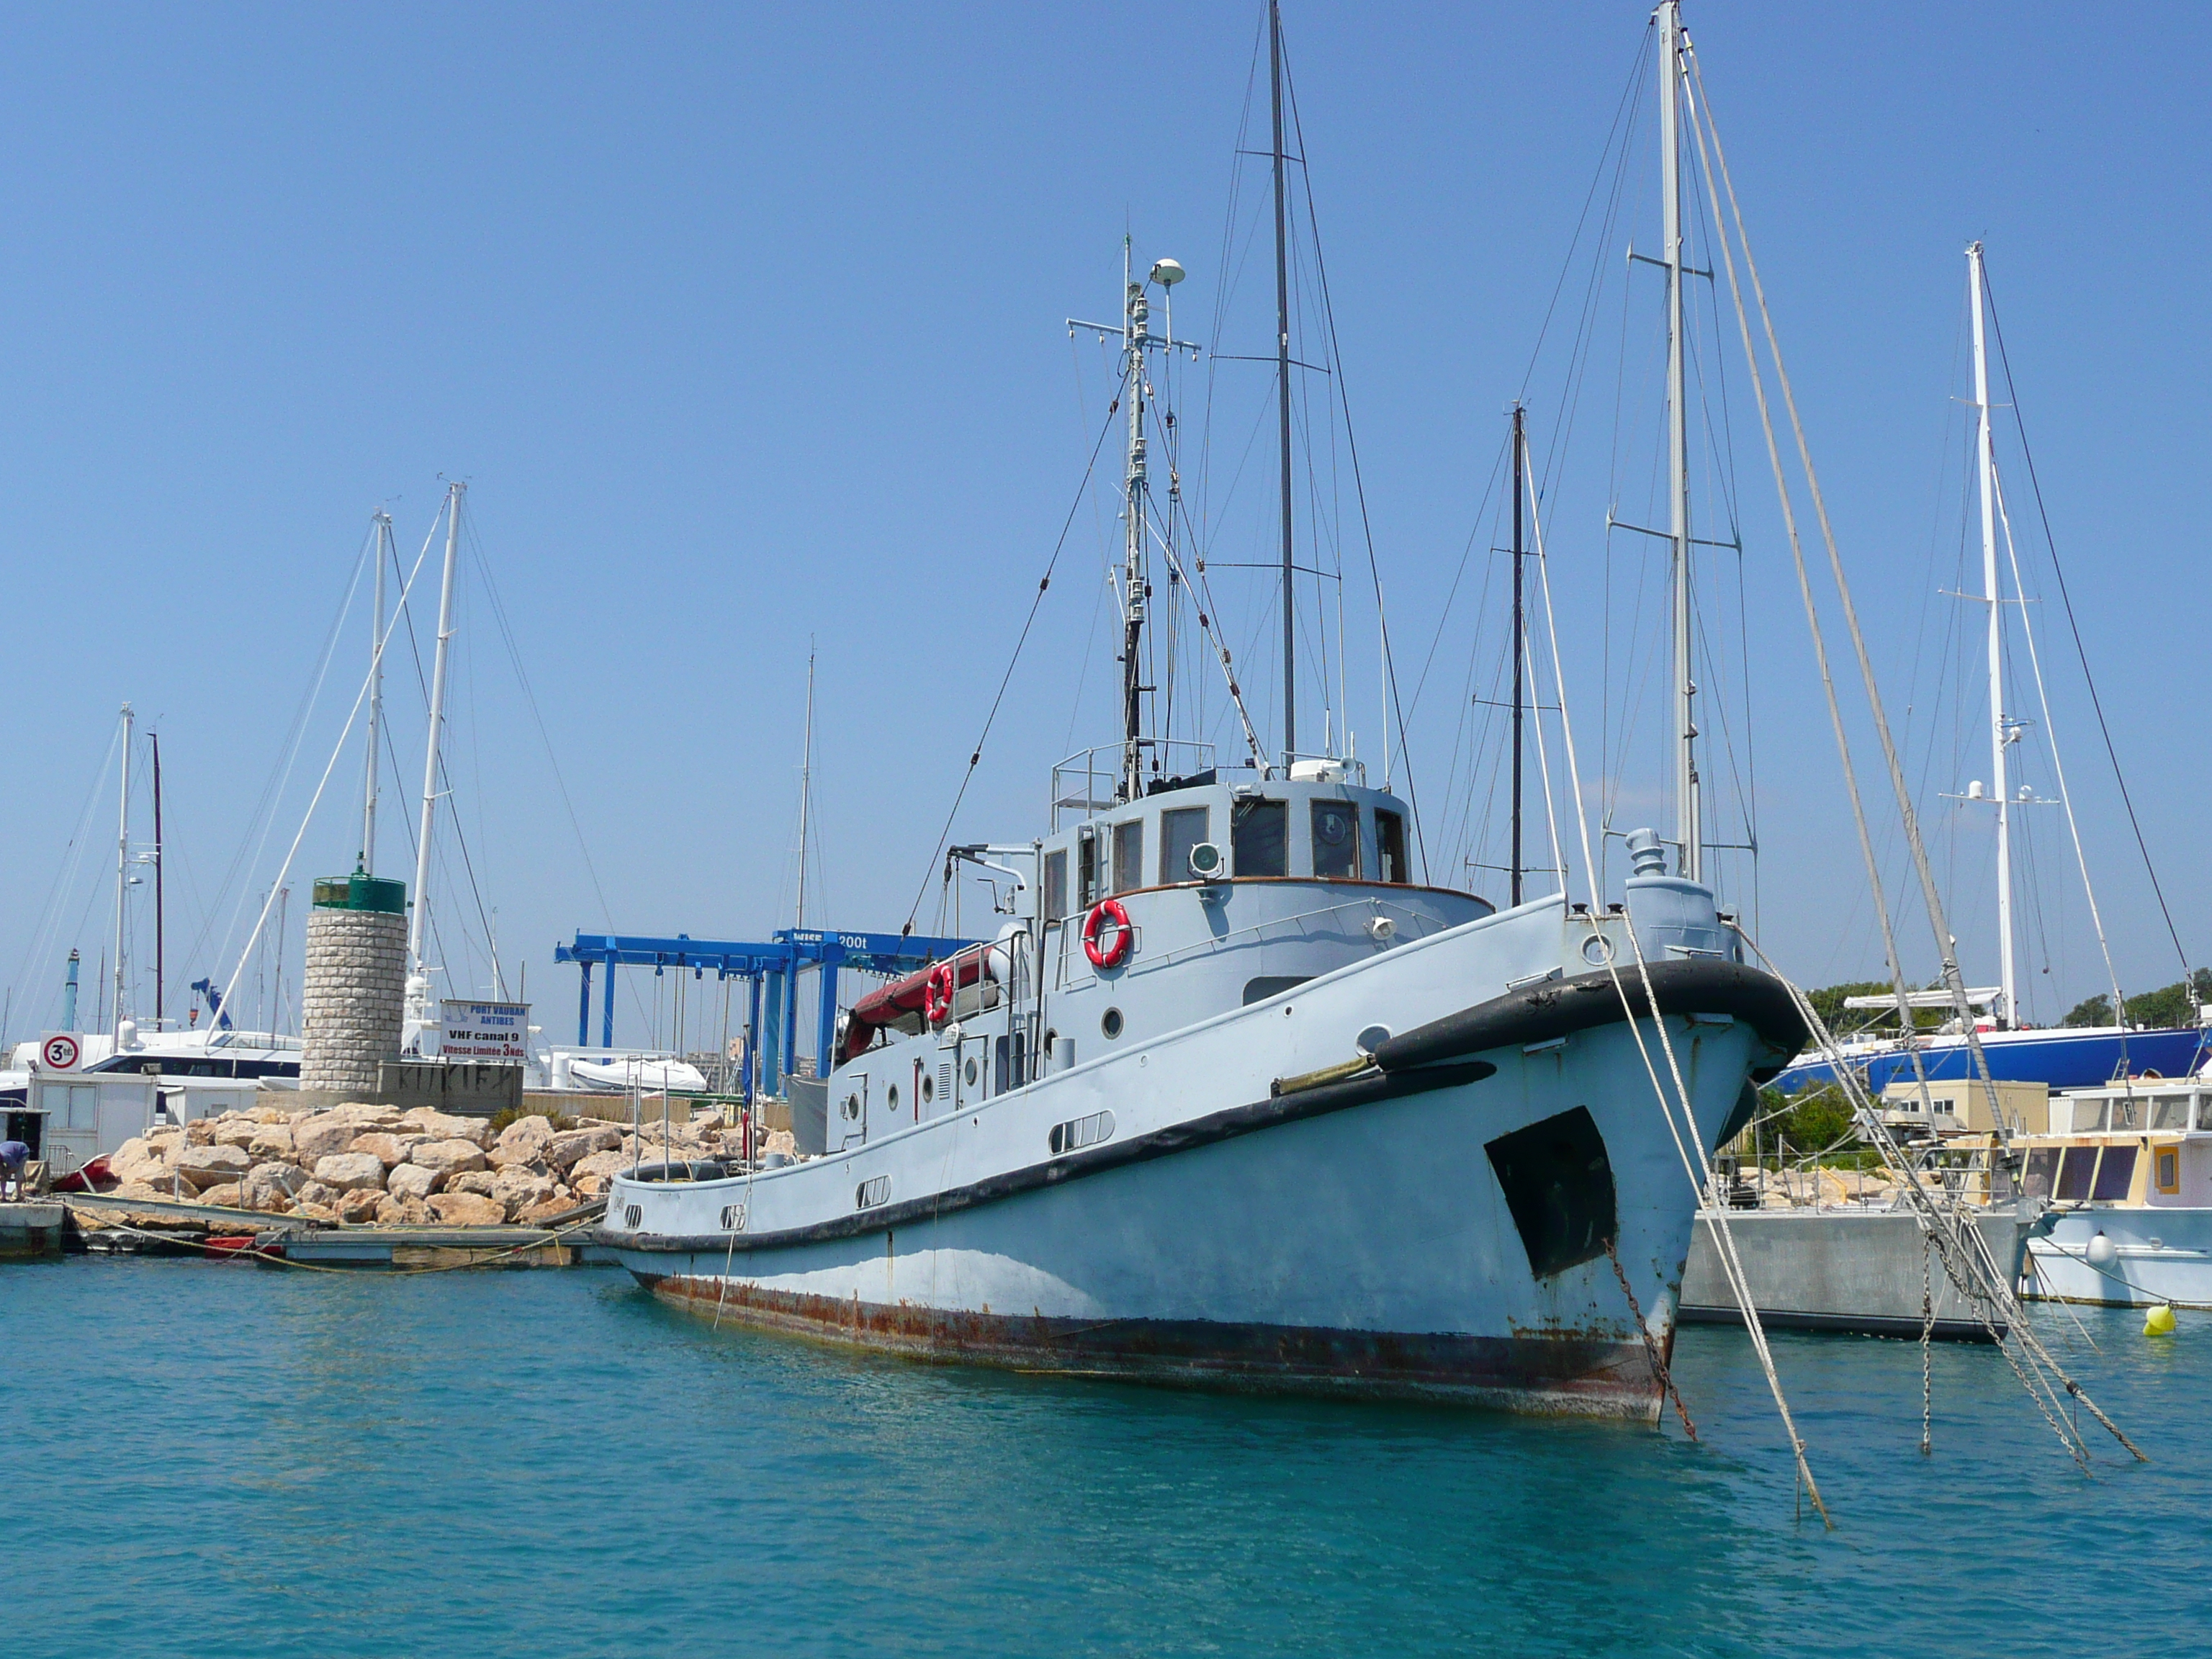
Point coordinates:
[[14, 1155]]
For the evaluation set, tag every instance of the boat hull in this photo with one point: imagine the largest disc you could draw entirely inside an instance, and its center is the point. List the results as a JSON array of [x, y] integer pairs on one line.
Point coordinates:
[[2160, 1254], [2059, 1058], [1365, 1235]]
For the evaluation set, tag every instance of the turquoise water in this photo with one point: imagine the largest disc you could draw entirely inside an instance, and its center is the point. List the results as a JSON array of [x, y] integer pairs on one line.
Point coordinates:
[[229, 1460]]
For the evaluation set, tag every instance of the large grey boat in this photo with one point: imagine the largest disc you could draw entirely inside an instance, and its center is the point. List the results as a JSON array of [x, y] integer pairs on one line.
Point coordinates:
[[1230, 1099]]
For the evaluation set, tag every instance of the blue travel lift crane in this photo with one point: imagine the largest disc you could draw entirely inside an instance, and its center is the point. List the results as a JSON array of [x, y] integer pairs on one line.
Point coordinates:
[[771, 969]]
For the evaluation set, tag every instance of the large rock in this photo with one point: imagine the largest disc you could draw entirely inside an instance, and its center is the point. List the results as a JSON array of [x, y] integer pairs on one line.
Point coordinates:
[[515, 1157], [319, 1136], [362, 1115], [564, 1149], [316, 1196], [479, 1181], [271, 1114], [271, 1186], [234, 1129], [395, 1211], [525, 1138], [363, 1203], [603, 1165], [518, 1189], [200, 1131], [212, 1165], [466, 1209], [272, 1140], [226, 1195], [389, 1147], [412, 1181], [445, 1125], [537, 1215], [351, 1172], [141, 1189], [314, 1212], [447, 1157], [137, 1159]]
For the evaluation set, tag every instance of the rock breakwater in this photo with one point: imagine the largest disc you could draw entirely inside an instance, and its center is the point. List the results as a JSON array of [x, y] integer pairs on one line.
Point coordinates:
[[363, 1163]]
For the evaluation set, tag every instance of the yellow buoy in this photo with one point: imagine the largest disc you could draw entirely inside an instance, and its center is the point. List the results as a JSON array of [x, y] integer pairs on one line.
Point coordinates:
[[2160, 1322]]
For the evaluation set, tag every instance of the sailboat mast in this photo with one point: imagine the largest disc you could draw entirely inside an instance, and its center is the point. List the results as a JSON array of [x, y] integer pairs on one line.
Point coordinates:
[[375, 700], [419, 944], [1688, 830], [122, 871], [160, 962], [1520, 624], [1283, 387], [2000, 729], [806, 786], [1136, 314]]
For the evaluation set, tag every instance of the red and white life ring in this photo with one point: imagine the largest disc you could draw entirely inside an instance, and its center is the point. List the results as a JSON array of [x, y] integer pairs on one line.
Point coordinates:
[[937, 993], [1107, 953]]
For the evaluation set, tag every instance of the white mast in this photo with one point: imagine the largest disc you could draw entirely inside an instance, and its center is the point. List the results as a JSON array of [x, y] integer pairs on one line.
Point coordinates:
[[806, 786], [1688, 830], [375, 699], [418, 976], [122, 871], [2001, 731]]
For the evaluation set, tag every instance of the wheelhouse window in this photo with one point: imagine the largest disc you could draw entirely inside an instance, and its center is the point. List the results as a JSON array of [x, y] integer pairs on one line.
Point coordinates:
[[1390, 847], [1086, 871], [1128, 855], [2115, 1174], [2073, 1174], [1180, 829], [1260, 837], [1336, 840], [1055, 886]]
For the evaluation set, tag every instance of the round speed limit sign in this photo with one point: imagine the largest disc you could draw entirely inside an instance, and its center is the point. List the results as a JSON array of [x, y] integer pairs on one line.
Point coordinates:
[[59, 1054]]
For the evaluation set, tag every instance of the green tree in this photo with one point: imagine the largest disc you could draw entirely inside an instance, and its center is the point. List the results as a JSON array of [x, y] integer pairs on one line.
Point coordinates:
[[2169, 1006]]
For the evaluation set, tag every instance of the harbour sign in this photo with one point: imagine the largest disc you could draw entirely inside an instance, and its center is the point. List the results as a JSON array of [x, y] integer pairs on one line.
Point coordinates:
[[483, 1031]]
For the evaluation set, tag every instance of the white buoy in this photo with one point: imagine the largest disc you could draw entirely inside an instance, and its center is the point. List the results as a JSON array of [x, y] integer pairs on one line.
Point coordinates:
[[2102, 1251]]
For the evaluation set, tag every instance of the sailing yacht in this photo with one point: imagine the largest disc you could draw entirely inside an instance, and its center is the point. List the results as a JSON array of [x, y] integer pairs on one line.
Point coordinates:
[[1232, 1099], [2064, 1057]]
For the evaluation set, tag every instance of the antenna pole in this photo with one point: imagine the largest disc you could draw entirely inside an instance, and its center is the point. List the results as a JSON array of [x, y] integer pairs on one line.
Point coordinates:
[[1520, 624], [160, 906], [418, 980], [122, 871], [805, 786], [1283, 387], [1136, 317], [375, 700], [1688, 830], [1985, 461]]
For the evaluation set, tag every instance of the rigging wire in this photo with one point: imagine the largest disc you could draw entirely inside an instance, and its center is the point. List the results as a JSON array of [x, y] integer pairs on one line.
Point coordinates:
[[975, 755]]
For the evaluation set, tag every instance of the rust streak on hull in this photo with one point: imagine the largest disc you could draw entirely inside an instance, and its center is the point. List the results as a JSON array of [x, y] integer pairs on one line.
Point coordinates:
[[1563, 1373]]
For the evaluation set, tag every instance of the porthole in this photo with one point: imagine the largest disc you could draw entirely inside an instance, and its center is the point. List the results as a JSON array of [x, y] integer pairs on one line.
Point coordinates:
[[1111, 1023], [928, 1088], [1371, 1039], [890, 1097], [1597, 949], [853, 1107], [974, 1071], [1080, 1132]]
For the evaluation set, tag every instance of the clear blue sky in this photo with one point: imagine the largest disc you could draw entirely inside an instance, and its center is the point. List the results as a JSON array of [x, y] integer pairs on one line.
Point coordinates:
[[745, 326]]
